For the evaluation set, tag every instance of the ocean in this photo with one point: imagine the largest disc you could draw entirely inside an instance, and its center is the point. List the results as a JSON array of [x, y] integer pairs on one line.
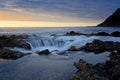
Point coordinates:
[[58, 65]]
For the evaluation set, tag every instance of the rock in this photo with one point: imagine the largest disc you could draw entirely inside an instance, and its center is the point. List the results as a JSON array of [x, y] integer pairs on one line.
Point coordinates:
[[72, 48], [115, 73], [13, 41], [110, 70], [23, 44], [9, 54], [102, 34], [44, 52], [113, 20], [98, 46], [72, 33], [81, 65], [115, 34], [87, 72], [54, 35]]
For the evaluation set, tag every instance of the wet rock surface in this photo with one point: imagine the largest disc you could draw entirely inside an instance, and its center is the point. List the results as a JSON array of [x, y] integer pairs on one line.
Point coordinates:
[[110, 70], [44, 52], [103, 34], [14, 41], [6, 53], [7, 42], [115, 34], [73, 33], [72, 48], [98, 46]]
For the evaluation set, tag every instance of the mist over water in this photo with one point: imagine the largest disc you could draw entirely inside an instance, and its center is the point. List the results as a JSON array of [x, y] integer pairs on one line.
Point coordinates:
[[59, 64]]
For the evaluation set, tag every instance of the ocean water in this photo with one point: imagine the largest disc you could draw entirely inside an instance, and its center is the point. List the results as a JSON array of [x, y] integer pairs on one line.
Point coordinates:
[[58, 65], [53, 30]]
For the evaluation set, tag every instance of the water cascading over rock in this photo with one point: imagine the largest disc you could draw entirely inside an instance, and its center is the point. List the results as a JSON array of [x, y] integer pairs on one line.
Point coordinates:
[[45, 43]]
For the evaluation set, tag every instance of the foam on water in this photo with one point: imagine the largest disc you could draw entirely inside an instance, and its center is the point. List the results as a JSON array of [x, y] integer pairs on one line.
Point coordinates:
[[62, 43], [57, 43]]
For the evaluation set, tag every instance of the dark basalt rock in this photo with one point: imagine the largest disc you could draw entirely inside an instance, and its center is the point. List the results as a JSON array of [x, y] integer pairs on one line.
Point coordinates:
[[103, 34], [110, 70], [113, 20], [44, 52], [98, 46], [9, 54], [115, 34], [88, 72], [13, 41], [72, 48], [72, 33]]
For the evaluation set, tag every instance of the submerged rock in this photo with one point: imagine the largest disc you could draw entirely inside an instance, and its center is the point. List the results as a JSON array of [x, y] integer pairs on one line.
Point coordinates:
[[44, 52], [10, 54], [98, 46]]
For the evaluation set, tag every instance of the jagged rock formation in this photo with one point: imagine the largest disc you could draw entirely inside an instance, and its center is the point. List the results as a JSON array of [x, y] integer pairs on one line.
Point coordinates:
[[13, 41], [98, 46], [110, 70], [113, 20]]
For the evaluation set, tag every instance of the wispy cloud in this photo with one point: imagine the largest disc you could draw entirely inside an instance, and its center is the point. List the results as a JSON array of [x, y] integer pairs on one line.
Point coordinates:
[[88, 9]]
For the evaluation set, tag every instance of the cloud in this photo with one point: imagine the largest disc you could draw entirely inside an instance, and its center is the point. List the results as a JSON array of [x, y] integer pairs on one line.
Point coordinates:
[[73, 8]]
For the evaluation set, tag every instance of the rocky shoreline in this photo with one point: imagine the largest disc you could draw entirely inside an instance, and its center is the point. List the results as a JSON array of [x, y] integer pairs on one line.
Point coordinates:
[[12, 41], [110, 70], [98, 46], [113, 34]]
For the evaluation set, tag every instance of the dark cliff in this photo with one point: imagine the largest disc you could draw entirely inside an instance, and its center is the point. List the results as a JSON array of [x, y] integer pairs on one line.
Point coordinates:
[[113, 20]]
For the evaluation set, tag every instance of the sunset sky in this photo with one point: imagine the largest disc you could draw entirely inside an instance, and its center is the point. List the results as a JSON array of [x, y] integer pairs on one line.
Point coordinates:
[[53, 13]]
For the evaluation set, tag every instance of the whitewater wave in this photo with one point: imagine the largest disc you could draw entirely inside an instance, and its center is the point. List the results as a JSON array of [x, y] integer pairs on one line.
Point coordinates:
[[62, 43]]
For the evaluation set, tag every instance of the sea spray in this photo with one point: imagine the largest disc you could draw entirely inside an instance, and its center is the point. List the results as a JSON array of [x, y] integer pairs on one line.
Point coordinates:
[[60, 43]]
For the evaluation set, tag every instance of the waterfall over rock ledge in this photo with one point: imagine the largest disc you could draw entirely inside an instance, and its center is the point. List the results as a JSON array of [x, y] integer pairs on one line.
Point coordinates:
[[59, 43]]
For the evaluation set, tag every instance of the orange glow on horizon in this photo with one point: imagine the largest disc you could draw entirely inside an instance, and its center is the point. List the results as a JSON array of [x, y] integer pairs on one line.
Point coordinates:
[[41, 24], [45, 19]]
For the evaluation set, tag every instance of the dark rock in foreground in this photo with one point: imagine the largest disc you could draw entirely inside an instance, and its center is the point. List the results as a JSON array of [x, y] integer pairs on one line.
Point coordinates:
[[98, 46], [13, 41], [110, 70], [87, 72], [44, 52], [9, 54], [115, 34], [113, 20]]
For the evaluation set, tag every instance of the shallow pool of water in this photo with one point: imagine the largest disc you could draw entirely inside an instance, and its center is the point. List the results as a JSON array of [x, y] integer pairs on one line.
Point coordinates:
[[52, 67]]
